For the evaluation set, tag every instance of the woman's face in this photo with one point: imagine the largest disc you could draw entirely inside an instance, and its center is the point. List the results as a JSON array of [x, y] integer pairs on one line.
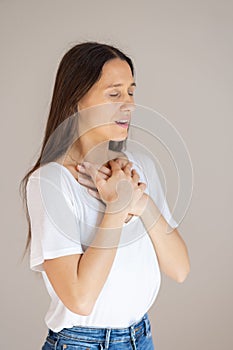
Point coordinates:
[[105, 110]]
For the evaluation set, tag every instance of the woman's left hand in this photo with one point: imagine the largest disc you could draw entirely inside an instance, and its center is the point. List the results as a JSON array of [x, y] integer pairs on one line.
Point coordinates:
[[86, 180]]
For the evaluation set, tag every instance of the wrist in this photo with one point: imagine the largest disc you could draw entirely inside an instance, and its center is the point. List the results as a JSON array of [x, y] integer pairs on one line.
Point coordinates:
[[150, 206], [151, 215], [142, 206], [117, 213]]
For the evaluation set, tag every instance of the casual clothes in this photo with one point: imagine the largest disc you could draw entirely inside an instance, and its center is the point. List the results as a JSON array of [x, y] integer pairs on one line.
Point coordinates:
[[64, 217]]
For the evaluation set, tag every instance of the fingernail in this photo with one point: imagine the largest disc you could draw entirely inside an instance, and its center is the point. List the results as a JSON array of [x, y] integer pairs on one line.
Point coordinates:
[[80, 167]]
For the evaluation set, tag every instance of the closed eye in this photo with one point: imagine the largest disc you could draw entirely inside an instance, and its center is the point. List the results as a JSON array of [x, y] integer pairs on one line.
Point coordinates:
[[115, 95]]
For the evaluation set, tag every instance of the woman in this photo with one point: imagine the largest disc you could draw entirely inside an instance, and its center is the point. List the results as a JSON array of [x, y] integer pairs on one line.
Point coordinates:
[[101, 269]]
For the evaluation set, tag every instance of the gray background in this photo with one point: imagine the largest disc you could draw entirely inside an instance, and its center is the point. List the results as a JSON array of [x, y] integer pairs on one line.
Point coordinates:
[[183, 53]]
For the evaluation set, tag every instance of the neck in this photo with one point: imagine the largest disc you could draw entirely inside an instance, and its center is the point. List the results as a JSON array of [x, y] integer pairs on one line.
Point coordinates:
[[86, 149]]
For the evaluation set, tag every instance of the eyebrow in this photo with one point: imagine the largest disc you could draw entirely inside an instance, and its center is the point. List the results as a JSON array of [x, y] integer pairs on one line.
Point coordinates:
[[119, 84]]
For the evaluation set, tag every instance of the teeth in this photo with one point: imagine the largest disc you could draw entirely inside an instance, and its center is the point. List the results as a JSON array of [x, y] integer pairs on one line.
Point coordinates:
[[122, 121]]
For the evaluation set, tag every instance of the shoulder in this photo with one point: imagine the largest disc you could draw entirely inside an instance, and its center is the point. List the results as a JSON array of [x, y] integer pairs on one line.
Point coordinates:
[[51, 175], [51, 171]]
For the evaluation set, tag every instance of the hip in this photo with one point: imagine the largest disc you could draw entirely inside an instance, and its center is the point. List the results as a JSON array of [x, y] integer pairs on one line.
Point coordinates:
[[138, 336]]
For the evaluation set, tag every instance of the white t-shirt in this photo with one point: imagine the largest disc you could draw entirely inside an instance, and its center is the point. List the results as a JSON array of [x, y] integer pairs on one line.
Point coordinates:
[[64, 217]]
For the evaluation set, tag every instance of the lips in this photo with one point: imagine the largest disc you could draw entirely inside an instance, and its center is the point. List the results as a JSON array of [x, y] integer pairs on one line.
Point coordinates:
[[124, 123]]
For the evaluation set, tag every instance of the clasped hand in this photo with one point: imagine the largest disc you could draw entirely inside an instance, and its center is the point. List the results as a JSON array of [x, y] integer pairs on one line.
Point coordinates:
[[102, 182]]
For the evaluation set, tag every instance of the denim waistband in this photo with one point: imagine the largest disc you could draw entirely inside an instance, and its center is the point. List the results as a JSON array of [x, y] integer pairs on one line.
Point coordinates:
[[105, 335]]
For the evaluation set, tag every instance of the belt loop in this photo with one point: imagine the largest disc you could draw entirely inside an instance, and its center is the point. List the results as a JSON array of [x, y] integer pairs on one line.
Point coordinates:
[[55, 337], [132, 336], [147, 326], [106, 344]]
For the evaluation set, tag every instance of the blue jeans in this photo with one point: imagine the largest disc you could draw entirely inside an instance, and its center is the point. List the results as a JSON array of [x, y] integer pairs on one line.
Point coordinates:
[[135, 337]]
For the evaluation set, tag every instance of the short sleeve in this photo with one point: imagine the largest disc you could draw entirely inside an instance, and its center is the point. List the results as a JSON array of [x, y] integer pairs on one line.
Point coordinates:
[[156, 192], [54, 221]]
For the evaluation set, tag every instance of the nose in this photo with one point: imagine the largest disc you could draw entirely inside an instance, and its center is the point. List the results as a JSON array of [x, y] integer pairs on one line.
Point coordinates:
[[127, 108]]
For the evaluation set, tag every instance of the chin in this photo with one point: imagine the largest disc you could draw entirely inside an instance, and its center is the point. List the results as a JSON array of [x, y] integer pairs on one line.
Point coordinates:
[[118, 139], [117, 135]]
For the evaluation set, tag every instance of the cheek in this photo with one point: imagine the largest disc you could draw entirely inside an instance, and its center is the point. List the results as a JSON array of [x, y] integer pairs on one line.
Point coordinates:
[[94, 116], [96, 99], [104, 113], [89, 100], [100, 115]]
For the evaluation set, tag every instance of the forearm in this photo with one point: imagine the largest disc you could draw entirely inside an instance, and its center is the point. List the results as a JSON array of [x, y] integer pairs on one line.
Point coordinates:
[[170, 248], [95, 264]]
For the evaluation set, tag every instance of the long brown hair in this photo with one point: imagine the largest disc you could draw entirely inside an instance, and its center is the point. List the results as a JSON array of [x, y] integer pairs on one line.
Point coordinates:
[[79, 69]]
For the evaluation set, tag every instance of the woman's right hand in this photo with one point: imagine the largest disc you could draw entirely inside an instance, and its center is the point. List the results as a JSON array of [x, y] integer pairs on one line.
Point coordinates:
[[121, 191]]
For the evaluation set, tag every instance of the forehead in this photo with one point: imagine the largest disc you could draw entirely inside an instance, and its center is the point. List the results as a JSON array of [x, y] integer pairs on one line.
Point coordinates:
[[115, 71]]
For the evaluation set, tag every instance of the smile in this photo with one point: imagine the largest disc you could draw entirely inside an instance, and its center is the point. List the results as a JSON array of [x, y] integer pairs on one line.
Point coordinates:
[[124, 123]]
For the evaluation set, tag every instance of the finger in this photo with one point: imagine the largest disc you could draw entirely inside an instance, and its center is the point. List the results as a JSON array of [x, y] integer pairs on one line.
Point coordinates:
[[84, 174], [91, 170], [121, 161], [127, 168], [142, 186], [81, 169], [94, 193], [105, 170], [135, 176], [114, 166], [86, 181]]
